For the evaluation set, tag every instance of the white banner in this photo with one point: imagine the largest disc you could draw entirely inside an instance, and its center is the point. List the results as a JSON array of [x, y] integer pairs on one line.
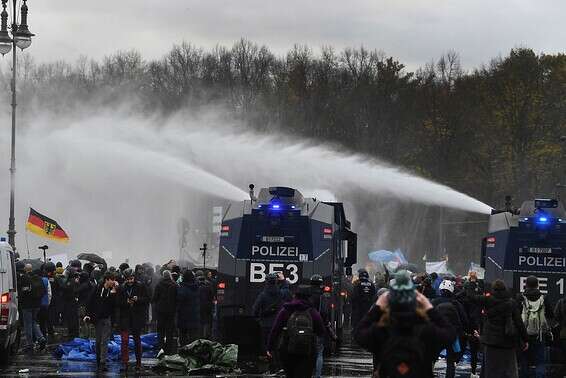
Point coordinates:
[[478, 269], [440, 267]]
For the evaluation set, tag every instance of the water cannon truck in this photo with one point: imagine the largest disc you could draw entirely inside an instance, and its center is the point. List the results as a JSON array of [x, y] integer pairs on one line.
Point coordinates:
[[530, 240], [279, 231]]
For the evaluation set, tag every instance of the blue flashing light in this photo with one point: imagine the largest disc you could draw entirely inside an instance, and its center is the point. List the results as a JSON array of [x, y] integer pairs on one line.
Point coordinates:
[[276, 206], [542, 219]]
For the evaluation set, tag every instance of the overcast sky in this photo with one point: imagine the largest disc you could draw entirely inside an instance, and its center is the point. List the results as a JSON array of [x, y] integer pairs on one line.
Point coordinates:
[[413, 31]]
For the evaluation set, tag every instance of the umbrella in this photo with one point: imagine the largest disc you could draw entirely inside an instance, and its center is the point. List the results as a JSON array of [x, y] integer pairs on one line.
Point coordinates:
[[36, 264], [92, 257]]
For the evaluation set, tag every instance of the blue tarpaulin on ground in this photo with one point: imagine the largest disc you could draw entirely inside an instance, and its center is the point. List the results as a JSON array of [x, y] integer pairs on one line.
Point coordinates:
[[84, 349]]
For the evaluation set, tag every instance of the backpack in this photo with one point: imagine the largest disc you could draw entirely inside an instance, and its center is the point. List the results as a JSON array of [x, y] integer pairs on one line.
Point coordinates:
[[534, 318], [300, 338], [403, 357]]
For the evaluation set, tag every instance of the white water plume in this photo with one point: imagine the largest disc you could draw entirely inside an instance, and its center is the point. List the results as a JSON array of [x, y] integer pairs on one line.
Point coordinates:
[[118, 182]]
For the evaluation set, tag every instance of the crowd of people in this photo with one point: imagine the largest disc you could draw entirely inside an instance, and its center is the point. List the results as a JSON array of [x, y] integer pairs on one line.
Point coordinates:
[[93, 301], [415, 318], [406, 320]]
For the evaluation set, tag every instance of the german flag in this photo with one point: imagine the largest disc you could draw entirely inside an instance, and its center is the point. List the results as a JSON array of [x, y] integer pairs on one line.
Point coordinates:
[[46, 227]]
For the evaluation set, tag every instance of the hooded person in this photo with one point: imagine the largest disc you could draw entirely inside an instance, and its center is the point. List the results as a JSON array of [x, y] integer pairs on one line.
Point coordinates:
[[296, 327], [132, 300], [165, 301], [404, 332], [188, 309]]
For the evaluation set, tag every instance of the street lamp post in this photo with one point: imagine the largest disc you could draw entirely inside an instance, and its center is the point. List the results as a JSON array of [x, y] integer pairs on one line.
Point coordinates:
[[21, 37]]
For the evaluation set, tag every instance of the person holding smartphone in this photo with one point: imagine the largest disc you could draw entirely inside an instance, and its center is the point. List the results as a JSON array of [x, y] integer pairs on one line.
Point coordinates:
[[100, 307], [404, 332], [132, 299]]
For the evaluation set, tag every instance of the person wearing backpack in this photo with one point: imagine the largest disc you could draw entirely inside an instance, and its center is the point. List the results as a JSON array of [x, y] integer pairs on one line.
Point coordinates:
[[455, 313], [404, 332], [295, 331], [31, 290], [321, 302], [503, 331], [537, 314], [267, 306]]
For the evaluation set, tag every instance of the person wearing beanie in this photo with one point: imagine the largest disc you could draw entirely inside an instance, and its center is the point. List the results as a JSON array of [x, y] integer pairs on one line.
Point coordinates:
[[401, 324], [503, 333], [188, 309], [165, 301]]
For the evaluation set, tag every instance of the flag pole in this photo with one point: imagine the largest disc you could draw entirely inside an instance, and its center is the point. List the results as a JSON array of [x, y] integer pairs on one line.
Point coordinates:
[[27, 243]]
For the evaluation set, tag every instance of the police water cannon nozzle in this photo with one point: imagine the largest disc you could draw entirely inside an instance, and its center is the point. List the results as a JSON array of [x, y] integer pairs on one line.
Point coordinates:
[[508, 207]]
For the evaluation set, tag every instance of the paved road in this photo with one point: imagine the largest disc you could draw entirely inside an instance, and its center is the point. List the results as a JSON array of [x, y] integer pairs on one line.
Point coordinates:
[[350, 362]]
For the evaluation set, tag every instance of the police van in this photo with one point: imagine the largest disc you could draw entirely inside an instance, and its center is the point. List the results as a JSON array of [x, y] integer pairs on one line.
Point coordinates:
[[8, 302], [279, 231], [528, 241]]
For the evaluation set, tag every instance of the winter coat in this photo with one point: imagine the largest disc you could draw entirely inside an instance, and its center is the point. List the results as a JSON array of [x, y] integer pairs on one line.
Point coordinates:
[[165, 296], [434, 334], [498, 308], [267, 305], [458, 318], [188, 305], [29, 294], [472, 309], [206, 300], [83, 291], [132, 316], [101, 304], [283, 316]]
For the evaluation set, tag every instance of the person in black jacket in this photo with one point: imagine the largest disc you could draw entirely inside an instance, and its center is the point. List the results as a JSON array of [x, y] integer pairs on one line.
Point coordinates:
[[164, 300], [83, 292], [31, 290], [188, 309], [206, 304], [404, 331], [267, 306], [132, 299], [71, 309], [503, 332], [362, 296], [473, 311], [455, 313], [100, 308]]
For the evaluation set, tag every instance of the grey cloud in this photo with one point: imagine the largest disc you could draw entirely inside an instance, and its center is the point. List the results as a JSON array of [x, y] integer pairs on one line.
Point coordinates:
[[414, 31]]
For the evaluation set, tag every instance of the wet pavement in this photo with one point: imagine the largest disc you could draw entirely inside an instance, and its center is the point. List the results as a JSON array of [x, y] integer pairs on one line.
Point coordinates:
[[351, 361]]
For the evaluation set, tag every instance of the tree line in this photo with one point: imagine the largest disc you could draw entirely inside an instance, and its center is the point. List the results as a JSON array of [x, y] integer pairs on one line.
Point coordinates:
[[490, 131]]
